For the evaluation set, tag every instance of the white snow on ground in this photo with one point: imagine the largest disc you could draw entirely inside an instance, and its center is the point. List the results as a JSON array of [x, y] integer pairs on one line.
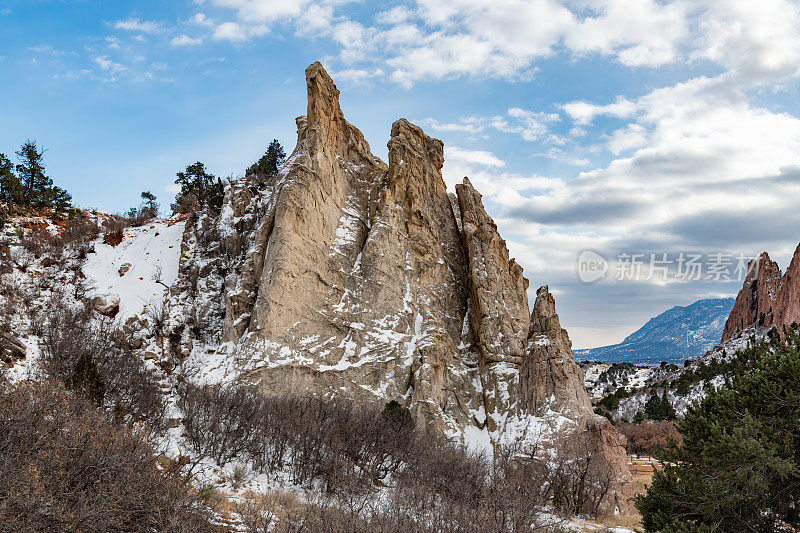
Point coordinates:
[[27, 368], [146, 248]]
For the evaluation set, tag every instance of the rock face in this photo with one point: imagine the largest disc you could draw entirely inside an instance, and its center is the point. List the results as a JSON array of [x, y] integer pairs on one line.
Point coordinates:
[[346, 276], [768, 297], [549, 373]]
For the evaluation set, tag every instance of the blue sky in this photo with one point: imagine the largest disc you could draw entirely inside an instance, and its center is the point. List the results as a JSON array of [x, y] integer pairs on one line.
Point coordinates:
[[615, 126]]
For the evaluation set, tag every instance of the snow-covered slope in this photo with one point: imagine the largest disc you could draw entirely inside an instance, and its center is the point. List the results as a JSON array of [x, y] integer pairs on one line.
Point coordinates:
[[130, 269], [680, 333]]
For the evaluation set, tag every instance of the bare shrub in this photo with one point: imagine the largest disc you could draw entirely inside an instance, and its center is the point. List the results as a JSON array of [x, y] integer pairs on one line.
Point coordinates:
[[580, 478], [344, 451], [65, 467], [78, 233], [21, 258], [156, 316], [256, 514], [6, 264], [219, 421], [648, 438], [137, 217], [116, 224], [68, 333]]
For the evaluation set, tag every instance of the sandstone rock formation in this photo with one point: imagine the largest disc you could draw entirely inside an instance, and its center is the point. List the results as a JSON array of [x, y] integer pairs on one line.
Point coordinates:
[[768, 297], [549, 373], [346, 276]]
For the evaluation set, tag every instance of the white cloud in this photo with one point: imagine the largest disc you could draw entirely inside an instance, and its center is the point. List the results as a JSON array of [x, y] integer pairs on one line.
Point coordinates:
[[230, 31], [632, 136], [46, 49], [461, 156], [356, 76], [315, 18], [395, 15], [759, 41], [237, 33], [529, 125], [641, 33], [201, 19], [430, 39], [263, 11], [135, 24], [466, 124], [505, 38], [698, 148], [185, 40], [583, 113], [108, 65]]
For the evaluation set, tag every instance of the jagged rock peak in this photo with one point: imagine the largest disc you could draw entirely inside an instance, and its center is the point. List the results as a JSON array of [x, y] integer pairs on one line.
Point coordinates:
[[323, 98], [550, 376], [544, 319], [499, 290], [368, 281], [410, 137], [768, 298], [324, 118], [499, 304]]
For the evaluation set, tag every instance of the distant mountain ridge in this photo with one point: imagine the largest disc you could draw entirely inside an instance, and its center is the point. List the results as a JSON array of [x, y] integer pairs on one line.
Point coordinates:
[[680, 333]]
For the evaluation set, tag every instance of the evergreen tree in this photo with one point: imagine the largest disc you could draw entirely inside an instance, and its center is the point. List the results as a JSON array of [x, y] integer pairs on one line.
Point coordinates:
[[199, 189], [652, 409], [149, 204], [31, 172], [86, 378], [738, 468], [36, 189], [270, 162], [56, 198], [659, 408], [10, 187]]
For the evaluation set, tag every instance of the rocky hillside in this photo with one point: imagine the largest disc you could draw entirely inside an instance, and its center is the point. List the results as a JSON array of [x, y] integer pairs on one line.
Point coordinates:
[[769, 298], [344, 276], [680, 333]]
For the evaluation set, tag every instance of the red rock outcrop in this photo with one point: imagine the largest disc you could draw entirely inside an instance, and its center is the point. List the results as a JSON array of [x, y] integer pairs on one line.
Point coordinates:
[[768, 297]]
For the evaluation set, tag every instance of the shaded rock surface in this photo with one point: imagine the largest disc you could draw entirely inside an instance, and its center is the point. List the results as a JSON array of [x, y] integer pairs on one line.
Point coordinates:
[[768, 298], [343, 275], [549, 373]]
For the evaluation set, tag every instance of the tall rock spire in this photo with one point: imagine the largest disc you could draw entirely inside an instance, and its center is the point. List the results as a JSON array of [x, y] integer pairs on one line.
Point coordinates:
[[499, 306]]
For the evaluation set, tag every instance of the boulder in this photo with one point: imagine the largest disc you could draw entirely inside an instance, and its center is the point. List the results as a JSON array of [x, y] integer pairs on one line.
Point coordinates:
[[106, 304]]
